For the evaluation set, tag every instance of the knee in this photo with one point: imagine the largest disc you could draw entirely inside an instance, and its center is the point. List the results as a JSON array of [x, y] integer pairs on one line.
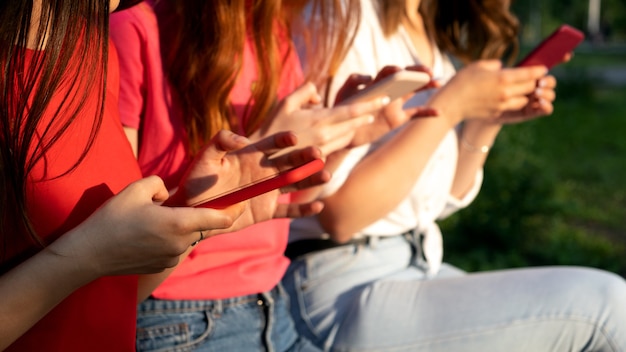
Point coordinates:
[[614, 290], [608, 288]]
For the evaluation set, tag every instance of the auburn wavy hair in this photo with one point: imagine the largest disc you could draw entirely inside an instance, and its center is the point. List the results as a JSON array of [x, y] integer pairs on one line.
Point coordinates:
[[467, 29], [202, 44]]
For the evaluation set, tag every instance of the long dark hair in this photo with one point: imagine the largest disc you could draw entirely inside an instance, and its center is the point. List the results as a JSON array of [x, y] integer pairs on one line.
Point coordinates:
[[60, 32], [466, 29]]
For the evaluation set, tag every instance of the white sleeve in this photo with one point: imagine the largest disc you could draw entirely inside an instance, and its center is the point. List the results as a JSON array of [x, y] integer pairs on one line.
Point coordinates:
[[453, 204]]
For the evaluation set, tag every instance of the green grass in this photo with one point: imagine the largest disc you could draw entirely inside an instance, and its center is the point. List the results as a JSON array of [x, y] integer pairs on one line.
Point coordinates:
[[585, 57], [554, 190]]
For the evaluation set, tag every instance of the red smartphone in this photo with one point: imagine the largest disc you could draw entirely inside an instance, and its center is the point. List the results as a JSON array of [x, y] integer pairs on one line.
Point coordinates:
[[394, 86], [551, 50], [264, 185]]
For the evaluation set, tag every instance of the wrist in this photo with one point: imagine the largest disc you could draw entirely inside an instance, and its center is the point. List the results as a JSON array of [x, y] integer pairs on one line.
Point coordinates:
[[478, 137], [451, 113], [77, 258], [474, 148]]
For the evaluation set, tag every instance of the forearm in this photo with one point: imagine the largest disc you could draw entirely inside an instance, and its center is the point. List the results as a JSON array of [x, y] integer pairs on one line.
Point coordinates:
[[475, 141], [133, 138], [33, 288], [383, 179], [149, 282]]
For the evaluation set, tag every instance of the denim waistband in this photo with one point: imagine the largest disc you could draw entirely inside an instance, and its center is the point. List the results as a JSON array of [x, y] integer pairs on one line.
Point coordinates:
[[154, 304]]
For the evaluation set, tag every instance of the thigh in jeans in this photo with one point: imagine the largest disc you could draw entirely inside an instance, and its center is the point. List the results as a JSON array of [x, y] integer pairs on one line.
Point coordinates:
[[224, 325], [281, 328], [538, 309], [323, 284], [172, 329], [259, 322]]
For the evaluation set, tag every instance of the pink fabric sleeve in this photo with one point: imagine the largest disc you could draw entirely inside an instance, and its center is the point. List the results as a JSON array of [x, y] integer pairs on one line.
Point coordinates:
[[129, 42]]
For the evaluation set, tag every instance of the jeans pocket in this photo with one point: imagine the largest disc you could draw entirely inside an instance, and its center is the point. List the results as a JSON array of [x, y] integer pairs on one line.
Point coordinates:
[[177, 332], [327, 264]]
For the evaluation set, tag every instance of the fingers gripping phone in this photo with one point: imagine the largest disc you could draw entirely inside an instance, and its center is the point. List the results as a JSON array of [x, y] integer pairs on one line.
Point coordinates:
[[394, 86], [261, 186], [551, 50]]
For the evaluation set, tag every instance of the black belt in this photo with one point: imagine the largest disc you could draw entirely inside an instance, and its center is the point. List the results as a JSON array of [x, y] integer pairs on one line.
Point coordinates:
[[301, 247]]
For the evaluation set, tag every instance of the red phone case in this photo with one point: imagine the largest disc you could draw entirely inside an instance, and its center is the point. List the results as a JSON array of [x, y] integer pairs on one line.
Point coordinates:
[[263, 185], [551, 50]]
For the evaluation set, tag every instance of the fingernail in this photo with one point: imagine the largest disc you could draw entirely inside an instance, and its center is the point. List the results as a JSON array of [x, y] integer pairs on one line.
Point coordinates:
[[385, 100], [370, 119], [542, 83]]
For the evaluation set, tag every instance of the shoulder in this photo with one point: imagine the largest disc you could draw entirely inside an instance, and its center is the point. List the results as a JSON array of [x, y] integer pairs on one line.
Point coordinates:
[[139, 18]]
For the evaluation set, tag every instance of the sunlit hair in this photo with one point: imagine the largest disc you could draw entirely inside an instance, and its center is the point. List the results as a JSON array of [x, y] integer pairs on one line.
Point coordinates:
[[466, 29], [65, 29], [327, 33], [202, 46]]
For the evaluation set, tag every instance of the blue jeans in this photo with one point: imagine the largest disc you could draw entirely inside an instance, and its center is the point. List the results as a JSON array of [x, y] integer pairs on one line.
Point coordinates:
[[258, 322], [376, 297]]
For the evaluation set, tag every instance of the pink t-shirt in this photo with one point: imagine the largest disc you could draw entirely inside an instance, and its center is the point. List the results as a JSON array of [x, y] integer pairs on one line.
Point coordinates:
[[234, 264]]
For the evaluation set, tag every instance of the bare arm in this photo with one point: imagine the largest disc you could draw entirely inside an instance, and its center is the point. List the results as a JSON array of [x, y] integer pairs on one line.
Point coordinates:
[[477, 136], [391, 171], [33, 288], [153, 236], [133, 138], [387, 174]]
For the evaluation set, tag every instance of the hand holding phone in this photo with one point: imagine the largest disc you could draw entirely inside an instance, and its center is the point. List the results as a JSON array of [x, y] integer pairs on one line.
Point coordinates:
[[261, 186], [394, 86], [553, 49]]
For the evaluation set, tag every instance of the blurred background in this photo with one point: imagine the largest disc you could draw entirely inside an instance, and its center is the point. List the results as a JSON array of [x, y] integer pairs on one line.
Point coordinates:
[[555, 188]]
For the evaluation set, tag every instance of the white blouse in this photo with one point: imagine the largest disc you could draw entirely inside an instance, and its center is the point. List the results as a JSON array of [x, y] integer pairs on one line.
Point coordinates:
[[430, 197]]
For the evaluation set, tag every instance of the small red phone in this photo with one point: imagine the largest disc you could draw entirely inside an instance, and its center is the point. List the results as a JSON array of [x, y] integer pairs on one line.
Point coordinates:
[[394, 86], [551, 50], [264, 185]]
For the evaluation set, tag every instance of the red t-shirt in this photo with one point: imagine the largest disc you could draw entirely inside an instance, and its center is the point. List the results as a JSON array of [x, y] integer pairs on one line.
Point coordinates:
[[234, 264], [101, 315]]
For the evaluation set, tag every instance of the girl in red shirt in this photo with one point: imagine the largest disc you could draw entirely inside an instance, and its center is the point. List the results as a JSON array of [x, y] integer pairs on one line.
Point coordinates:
[[77, 221]]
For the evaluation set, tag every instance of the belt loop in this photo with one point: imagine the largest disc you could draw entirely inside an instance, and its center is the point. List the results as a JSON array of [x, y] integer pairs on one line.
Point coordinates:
[[415, 239], [372, 241], [218, 307], [412, 237]]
